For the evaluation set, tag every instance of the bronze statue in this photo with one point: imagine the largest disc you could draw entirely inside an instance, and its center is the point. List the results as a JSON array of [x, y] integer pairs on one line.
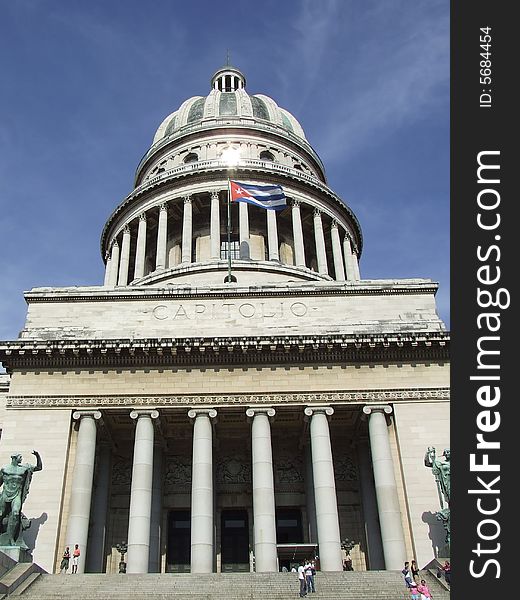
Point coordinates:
[[441, 470], [15, 479]]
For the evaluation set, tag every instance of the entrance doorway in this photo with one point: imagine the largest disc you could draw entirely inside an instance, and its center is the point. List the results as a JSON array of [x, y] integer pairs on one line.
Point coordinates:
[[234, 541], [179, 542]]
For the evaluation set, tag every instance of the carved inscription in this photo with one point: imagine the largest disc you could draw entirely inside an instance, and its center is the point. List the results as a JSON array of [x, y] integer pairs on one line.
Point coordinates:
[[230, 310]]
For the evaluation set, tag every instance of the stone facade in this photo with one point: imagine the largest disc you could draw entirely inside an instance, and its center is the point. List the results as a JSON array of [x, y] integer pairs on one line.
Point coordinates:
[[220, 426]]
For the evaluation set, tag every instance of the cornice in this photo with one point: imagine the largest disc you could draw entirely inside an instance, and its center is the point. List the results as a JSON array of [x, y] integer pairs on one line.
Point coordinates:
[[397, 395], [187, 291], [208, 352]]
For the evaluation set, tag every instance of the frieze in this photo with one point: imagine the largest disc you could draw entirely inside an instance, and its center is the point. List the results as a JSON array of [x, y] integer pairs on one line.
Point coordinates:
[[178, 473], [345, 397], [233, 469]]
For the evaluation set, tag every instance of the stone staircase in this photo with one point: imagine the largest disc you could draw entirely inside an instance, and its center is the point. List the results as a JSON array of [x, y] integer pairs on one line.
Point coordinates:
[[351, 585]]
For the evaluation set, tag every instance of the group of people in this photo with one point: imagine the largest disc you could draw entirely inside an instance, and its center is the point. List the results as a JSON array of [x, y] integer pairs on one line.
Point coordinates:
[[306, 577], [418, 588], [65, 560]]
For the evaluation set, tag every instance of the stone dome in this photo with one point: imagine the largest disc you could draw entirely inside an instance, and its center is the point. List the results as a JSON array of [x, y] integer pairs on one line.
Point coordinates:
[[228, 100]]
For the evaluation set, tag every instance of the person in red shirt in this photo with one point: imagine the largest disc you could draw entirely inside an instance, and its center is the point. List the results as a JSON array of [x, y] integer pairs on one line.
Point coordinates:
[[75, 558]]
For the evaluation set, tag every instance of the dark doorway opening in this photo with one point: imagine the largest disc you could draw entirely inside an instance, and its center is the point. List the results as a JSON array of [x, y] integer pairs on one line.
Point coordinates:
[[234, 541], [179, 542]]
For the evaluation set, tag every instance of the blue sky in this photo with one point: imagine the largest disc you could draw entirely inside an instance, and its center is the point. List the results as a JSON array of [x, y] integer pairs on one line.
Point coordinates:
[[85, 84]]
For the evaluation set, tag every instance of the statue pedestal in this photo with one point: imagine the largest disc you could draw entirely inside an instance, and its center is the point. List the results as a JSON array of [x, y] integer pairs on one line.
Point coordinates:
[[16, 553]]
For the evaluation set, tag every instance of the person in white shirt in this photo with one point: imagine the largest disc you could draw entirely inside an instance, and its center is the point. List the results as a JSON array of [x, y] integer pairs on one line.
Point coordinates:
[[301, 577]]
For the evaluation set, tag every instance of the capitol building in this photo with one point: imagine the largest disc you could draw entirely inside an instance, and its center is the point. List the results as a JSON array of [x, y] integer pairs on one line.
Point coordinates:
[[234, 396]]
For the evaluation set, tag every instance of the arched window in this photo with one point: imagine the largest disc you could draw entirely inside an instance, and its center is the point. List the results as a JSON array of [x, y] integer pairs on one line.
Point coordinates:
[[192, 157], [266, 155]]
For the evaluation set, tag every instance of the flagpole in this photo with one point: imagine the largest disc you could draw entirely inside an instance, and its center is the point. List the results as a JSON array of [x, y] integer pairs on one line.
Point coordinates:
[[229, 229]]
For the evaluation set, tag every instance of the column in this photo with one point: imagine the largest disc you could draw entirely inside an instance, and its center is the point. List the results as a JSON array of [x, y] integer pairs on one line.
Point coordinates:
[[264, 518], [351, 266], [243, 226], [82, 478], [140, 250], [108, 267], [125, 258], [156, 515], [320, 244], [214, 232], [324, 489], [339, 270], [98, 522], [272, 236], [309, 496], [299, 252], [386, 489], [187, 226], [114, 267], [202, 535], [376, 561], [162, 234], [141, 492]]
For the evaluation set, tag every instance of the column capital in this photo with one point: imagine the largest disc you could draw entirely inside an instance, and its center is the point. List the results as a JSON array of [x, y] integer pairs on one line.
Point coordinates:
[[114, 243], [317, 212], [311, 410], [384, 408], [78, 414], [347, 237], [126, 229], [215, 194], [260, 410], [187, 199], [163, 206], [334, 224], [193, 413], [144, 412], [295, 204], [142, 216]]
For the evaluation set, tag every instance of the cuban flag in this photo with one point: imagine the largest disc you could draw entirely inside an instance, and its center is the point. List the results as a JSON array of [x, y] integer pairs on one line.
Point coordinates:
[[264, 196]]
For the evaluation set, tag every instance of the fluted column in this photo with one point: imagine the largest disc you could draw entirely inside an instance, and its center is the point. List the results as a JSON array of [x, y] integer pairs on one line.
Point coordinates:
[[321, 254], [272, 236], [351, 264], [187, 228], [114, 266], [214, 232], [141, 491], [325, 489], [140, 250], [243, 224], [162, 236], [82, 478], [125, 258], [108, 267], [264, 518], [339, 270], [98, 523], [299, 251], [202, 535], [386, 488]]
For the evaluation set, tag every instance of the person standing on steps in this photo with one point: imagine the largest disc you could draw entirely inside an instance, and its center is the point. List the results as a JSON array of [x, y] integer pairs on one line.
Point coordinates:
[[415, 571], [407, 574], [75, 558], [301, 579], [64, 565]]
